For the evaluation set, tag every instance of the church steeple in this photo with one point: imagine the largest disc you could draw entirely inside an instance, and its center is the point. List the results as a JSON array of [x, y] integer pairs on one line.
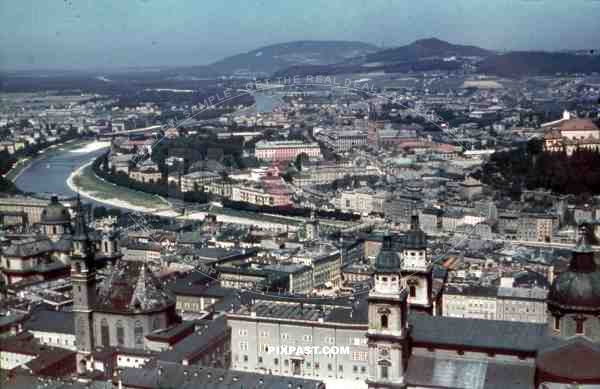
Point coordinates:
[[82, 245], [83, 278], [417, 270], [388, 326]]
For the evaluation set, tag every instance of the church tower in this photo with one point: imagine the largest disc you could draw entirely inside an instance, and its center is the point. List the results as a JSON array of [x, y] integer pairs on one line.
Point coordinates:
[[388, 326], [83, 278], [417, 270]]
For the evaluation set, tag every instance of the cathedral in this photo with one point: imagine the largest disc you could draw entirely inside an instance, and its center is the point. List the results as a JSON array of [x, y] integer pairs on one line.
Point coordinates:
[[119, 312], [565, 352]]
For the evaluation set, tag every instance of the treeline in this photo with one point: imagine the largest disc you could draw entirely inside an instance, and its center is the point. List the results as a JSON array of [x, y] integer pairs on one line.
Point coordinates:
[[196, 149], [533, 168], [160, 188], [289, 211]]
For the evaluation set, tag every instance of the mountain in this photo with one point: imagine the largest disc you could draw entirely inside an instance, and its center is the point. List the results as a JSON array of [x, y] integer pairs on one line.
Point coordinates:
[[269, 59], [425, 49], [523, 63], [421, 55]]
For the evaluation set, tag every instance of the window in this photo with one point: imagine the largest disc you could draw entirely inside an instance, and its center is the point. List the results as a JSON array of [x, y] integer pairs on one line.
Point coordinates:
[[245, 358], [104, 333], [260, 360], [556, 323], [579, 326], [244, 346], [341, 368], [413, 291], [138, 334], [384, 372], [329, 367], [384, 321], [120, 333], [276, 361]]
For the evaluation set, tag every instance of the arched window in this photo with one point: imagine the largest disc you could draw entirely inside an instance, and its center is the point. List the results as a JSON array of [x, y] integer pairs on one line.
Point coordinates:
[[384, 321], [120, 333], [412, 290], [138, 334], [104, 333], [384, 369]]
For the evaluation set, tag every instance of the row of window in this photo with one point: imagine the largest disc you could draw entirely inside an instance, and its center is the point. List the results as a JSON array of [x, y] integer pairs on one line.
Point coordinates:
[[308, 365], [242, 332]]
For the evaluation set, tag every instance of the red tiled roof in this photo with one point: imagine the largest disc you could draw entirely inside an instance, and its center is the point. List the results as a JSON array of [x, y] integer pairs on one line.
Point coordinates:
[[578, 125]]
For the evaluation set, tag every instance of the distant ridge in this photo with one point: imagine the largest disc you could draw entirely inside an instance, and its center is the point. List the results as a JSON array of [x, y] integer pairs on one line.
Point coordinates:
[[271, 58], [426, 48]]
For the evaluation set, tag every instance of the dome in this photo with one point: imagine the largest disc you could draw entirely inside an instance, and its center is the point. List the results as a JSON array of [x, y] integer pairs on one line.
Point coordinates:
[[55, 213], [388, 259], [576, 291], [578, 288]]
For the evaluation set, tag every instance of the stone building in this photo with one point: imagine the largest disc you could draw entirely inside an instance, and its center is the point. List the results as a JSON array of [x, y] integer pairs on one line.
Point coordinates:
[[45, 255], [390, 345], [126, 306]]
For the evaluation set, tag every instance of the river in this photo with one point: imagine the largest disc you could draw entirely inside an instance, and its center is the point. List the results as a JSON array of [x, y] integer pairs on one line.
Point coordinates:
[[48, 173]]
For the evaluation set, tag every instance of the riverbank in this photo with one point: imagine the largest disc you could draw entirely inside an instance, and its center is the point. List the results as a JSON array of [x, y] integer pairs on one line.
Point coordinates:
[[73, 145], [84, 181]]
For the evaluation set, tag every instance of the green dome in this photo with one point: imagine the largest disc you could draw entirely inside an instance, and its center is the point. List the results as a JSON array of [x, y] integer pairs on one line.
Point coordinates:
[[579, 286], [55, 213]]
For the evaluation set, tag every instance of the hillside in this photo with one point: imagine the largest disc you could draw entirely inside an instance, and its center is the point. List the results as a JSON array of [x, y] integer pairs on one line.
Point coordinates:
[[425, 49], [272, 58]]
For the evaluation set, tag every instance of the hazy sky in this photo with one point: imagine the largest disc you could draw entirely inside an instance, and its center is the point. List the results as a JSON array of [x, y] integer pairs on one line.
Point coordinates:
[[116, 33]]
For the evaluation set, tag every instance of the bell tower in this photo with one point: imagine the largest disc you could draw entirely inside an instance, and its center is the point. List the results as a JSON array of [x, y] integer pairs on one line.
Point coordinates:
[[388, 326], [417, 270], [83, 278]]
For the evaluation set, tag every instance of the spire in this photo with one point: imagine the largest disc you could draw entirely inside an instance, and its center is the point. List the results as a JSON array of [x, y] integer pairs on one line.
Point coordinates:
[[414, 221], [582, 260], [388, 259], [81, 232]]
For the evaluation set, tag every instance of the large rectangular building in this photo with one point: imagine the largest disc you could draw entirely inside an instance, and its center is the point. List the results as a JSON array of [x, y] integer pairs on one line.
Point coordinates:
[[286, 150], [290, 323]]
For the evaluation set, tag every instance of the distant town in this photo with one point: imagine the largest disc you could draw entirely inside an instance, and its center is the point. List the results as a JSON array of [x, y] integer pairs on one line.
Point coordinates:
[[436, 226]]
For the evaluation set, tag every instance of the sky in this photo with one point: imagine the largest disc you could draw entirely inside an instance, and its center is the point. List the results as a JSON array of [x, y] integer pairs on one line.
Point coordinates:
[[103, 34]]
